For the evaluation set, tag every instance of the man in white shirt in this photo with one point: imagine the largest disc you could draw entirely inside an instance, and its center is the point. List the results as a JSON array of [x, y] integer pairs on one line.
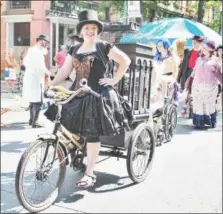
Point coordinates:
[[34, 78]]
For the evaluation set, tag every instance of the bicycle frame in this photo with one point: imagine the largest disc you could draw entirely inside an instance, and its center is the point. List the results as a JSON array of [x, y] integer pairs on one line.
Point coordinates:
[[59, 130], [63, 137]]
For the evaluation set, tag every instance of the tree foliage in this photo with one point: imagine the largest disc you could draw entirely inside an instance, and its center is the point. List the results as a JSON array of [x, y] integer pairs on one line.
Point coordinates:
[[217, 21], [150, 7], [214, 5]]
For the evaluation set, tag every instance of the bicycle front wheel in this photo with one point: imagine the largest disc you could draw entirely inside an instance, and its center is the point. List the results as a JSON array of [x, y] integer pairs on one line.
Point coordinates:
[[38, 179]]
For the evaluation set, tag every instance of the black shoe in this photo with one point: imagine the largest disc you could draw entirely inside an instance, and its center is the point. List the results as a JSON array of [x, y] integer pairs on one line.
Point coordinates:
[[35, 118], [36, 126], [30, 122], [213, 125]]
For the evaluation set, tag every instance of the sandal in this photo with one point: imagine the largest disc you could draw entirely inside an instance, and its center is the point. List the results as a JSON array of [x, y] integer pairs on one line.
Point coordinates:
[[86, 182]]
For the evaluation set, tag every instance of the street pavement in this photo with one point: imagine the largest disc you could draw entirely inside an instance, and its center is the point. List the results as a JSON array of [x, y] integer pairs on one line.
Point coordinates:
[[186, 176]]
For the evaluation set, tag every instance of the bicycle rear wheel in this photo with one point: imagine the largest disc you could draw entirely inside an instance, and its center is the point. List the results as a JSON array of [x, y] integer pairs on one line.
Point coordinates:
[[33, 175], [170, 122], [140, 153]]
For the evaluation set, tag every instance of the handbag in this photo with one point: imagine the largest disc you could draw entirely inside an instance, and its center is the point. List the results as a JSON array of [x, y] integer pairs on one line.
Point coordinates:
[[6, 72], [109, 65], [127, 107]]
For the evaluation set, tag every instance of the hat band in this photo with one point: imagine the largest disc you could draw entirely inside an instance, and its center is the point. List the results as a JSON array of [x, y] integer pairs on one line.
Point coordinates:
[[208, 47]]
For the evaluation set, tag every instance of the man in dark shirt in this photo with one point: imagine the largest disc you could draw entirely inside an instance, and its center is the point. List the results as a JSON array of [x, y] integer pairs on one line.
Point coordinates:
[[189, 60]]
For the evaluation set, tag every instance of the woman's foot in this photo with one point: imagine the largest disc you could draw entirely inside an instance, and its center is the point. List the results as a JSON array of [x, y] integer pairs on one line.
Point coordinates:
[[86, 181]]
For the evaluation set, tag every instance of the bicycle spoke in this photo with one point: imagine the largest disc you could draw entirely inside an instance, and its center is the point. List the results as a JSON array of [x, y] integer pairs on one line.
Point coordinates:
[[37, 191], [141, 153]]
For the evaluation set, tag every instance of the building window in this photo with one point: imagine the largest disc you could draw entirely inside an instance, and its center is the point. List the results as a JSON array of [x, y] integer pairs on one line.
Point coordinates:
[[22, 34], [19, 4]]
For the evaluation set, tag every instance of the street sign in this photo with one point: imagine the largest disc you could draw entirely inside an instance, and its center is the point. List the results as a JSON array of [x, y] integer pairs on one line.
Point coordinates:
[[134, 9]]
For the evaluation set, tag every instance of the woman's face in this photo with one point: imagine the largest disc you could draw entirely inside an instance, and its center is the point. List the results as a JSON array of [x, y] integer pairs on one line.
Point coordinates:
[[89, 32], [206, 52], [160, 47]]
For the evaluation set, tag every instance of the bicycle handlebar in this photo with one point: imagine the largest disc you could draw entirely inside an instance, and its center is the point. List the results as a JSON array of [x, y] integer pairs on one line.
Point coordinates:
[[50, 93]]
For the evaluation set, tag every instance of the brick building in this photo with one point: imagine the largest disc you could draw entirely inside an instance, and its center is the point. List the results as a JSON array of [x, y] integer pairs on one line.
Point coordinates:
[[21, 24], [23, 21]]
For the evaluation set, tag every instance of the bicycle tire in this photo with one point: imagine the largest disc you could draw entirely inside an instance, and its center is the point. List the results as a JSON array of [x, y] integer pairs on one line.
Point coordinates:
[[130, 153], [169, 131], [19, 179]]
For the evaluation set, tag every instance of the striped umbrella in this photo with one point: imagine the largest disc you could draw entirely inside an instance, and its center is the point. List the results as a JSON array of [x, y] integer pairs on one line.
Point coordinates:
[[171, 29]]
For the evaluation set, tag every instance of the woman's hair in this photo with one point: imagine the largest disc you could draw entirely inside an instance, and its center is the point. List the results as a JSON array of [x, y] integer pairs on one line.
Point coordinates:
[[78, 39], [179, 46], [166, 46]]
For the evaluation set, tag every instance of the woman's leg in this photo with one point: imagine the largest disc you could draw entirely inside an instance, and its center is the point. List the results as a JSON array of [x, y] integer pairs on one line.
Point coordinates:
[[93, 149], [13, 85], [7, 84]]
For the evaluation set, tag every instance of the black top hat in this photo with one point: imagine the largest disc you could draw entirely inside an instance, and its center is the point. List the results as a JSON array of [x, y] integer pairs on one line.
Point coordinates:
[[43, 37], [198, 38], [88, 17]]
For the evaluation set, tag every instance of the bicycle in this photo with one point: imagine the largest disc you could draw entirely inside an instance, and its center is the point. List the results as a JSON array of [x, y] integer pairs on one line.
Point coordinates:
[[62, 148]]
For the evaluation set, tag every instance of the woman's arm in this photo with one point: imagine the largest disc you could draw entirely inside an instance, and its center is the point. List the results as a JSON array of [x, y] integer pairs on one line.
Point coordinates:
[[64, 72], [218, 73], [123, 60]]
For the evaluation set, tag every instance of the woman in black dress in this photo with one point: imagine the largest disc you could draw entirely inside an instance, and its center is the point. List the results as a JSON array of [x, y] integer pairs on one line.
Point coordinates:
[[88, 115]]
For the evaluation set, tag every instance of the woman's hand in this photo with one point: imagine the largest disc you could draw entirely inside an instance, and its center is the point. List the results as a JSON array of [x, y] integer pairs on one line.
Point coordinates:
[[107, 82]]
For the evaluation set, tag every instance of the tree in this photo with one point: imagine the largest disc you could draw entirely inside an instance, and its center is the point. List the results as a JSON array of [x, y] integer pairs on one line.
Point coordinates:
[[149, 8], [215, 24], [217, 21], [200, 12], [116, 6]]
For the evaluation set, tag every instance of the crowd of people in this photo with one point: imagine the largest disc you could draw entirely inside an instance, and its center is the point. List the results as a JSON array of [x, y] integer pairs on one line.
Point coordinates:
[[196, 71]]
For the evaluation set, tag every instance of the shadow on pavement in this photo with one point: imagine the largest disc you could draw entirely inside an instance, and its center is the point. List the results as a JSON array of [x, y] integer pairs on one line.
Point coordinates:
[[105, 183], [14, 146], [183, 129], [109, 182], [16, 126], [9, 201]]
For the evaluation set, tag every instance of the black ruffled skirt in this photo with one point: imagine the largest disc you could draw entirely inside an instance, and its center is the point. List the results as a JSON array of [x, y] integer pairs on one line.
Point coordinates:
[[91, 116]]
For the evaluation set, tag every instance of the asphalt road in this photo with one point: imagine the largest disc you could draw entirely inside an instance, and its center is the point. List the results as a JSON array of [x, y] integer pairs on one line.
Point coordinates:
[[186, 176]]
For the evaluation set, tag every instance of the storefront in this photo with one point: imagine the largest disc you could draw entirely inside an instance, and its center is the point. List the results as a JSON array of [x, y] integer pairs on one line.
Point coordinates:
[[60, 28]]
